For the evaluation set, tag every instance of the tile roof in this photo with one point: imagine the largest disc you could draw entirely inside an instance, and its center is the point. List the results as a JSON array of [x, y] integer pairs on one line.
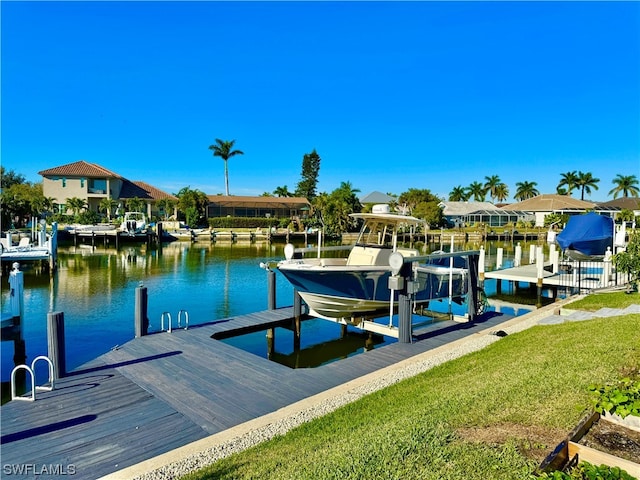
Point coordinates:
[[464, 208], [143, 191], [550, 203], [266, 202], [79, 169], [628, 203]]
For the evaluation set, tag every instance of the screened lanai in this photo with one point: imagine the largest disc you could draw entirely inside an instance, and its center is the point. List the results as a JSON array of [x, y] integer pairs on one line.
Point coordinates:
[[497, 217], [244, 206]]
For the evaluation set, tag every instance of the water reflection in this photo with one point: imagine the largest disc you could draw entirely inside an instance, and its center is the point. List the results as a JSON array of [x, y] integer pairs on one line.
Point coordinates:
[[95, 288]]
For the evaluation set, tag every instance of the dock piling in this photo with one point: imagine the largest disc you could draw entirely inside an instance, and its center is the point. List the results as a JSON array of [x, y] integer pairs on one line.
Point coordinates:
[[56, 344], [141, 319]]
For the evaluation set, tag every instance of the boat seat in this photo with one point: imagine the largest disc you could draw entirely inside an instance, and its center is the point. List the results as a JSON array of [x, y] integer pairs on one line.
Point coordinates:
[[369, 256]]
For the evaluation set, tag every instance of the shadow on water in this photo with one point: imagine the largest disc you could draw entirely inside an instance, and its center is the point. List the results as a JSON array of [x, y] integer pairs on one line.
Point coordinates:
[[322, 342]]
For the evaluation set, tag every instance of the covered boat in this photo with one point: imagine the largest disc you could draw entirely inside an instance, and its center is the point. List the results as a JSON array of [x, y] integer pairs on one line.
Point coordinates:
[[586, 236], [358, 287]]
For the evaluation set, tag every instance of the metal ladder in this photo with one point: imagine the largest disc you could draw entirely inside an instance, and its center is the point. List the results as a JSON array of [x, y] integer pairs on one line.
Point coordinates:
[[167, 314], [34, 387]]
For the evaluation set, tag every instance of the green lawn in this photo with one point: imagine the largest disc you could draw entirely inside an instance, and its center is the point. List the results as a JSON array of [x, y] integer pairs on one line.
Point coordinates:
[[493, 414]]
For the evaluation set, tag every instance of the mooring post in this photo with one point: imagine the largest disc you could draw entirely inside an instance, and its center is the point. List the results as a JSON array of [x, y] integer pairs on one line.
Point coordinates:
[[297, 320], [539, 273], [481, 267], [499, 255], [271, 289], [404, 305], [473, 300], [141, 319], [517, 259], [55, 343]]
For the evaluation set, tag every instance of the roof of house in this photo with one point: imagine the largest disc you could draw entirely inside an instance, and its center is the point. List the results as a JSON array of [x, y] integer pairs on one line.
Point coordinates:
[[143, 191], [80, 168], [264, 202], [377, 197], [550, 203], [464, 208], [626, 203]]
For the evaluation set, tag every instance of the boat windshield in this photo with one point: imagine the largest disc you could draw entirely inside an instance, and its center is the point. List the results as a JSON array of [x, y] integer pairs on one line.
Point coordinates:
[[377, 233]]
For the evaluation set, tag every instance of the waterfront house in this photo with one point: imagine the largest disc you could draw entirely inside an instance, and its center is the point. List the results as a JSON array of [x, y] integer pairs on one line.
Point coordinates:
[[93, 183], [294, 208], [459, 214], [543, 205]]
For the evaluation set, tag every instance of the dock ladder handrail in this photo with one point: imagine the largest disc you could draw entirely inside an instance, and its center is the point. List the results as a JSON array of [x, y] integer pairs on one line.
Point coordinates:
[[170, 326], [31, 371], [186, 319]]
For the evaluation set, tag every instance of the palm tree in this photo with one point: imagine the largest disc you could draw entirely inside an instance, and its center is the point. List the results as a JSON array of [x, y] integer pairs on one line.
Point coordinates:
[[224, 150], [586, 182], [458, 194], [625, 184], [135, 204], [165, 206], [526, 190], [107, 205], [491, 184], [76, 204], [501, 192], [477, 191], [282, 192], [568, 180]]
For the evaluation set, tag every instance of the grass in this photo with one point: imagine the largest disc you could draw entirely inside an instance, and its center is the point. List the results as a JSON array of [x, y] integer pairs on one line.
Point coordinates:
[[492, 414], [597, 301]]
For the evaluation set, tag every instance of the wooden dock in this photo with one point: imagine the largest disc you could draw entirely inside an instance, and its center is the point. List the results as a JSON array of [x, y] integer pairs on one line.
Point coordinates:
[[165, 390]]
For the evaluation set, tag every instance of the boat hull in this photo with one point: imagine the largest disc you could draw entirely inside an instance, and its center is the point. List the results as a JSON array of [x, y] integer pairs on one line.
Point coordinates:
[[354, 291]]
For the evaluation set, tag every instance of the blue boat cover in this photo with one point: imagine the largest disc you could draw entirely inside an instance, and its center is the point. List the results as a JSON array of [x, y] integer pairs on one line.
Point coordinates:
[[589, 234]]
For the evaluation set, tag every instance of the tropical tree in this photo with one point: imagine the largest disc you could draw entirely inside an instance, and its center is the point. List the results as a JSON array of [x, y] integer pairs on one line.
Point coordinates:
[[135, 204], [586, 182], [568, 182], [224, 150], [76, 204], [501, 192], [458, 194], [421, 203], [282, 192], [526, 190], [193, 204], [625, 184], [476, 191], [491, 185], [166, 206], [308, 183], [107, 205]]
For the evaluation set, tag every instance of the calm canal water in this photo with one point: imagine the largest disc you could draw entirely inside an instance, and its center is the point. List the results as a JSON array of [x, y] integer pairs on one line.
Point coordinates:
[[95, 288]]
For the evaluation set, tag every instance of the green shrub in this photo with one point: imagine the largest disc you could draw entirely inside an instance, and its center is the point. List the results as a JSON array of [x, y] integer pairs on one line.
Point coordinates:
[[244, 222], [621, 398], [587, 471]]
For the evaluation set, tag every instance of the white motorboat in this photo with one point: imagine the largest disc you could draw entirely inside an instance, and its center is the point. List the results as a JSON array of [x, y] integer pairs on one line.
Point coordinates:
[[134, 223], [357, 287]]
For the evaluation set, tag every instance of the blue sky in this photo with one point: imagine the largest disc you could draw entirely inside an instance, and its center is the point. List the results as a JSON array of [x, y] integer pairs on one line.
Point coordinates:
[[392, 95]]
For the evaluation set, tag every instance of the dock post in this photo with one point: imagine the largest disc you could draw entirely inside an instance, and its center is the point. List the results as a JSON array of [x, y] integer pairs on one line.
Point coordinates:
[[140, 315], [271, 337], [539, 272], [481, 267], [55, 343], [473, 301], [532, 254], [517, 259], [297, 314], [405, 332], [159, 229], [271, 289], [499, 255]]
